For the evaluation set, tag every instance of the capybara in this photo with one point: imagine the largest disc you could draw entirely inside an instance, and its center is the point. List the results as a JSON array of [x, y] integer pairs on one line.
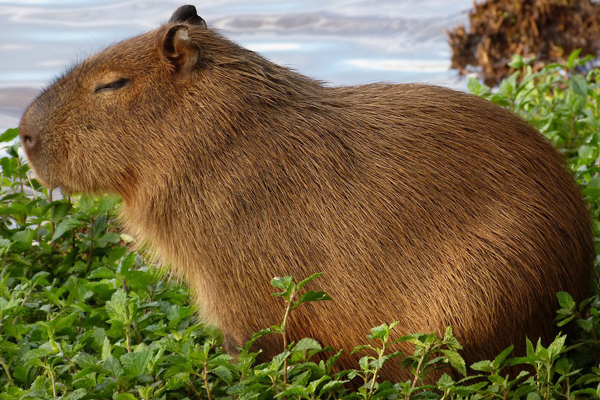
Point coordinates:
[[421, 204]]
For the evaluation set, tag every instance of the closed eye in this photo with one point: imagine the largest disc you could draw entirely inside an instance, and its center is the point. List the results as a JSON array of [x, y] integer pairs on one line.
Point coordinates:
[[114, 85]]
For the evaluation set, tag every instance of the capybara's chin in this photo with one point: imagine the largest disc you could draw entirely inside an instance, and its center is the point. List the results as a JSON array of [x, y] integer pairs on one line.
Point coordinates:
[[421, 204]]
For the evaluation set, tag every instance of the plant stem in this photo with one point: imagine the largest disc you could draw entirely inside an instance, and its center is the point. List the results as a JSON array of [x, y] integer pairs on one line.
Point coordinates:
[[548, 373], [8, 375], [31, 186], [284, 334], [53, 382], [205, 377], [381, 353], [89, 261], [417, 373], [128, 338], [191, 386], [20, 177]]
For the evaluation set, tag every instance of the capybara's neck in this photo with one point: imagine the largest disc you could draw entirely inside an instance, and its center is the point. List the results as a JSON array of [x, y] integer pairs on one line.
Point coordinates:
[[223, 159]]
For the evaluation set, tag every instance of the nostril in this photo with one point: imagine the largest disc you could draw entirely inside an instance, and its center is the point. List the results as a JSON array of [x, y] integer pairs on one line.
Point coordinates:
[[27, 140]]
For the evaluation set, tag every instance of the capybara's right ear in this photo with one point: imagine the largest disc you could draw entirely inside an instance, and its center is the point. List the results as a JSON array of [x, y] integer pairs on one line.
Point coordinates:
[[187, 14], [180, 49]]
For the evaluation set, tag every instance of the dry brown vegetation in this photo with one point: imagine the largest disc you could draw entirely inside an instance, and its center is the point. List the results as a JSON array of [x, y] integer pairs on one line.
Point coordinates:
[[547, 29]]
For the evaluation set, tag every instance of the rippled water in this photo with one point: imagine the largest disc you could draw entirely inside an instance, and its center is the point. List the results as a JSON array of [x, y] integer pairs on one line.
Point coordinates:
[[339, 41]]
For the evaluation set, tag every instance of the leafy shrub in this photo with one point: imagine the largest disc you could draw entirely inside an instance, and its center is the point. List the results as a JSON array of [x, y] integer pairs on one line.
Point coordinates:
[[84, 317]]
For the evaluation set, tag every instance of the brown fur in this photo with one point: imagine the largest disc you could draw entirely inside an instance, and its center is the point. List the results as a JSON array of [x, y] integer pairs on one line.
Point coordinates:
[[422, 205]]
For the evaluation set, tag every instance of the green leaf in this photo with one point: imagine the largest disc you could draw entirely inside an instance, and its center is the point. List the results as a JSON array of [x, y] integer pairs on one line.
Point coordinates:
[[85, 360], [307, 344], [116, 307], [286, 284], [565, 300], [66, 225], [456, 361], [586, 325], [9, 135], [502, 356], [556, 347], [8, 347], [484, 366], [516, 62], [86, 204], [77, 394], [102, 273], [578, 84], [25, 236], [136, 364], [40, 352], [106, 203], [476, 87], [106, 349], [126, 396], [108, 238], [307, 280], [311, 296], [223, 372], [13, 150], [59, 211], [114, 366], [572, 57], [450, 340]]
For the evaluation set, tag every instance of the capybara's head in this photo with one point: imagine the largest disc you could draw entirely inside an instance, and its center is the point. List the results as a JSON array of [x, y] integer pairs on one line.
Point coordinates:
[[129, 107]]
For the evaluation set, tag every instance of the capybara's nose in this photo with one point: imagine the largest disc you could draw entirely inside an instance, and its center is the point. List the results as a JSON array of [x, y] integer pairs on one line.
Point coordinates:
[[29, 139]]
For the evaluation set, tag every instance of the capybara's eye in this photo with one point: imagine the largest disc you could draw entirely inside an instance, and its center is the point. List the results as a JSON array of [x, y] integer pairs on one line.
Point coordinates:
[[118, 84]]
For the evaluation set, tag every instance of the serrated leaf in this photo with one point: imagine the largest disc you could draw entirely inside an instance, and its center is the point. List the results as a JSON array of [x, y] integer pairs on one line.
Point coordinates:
[[484, 366], [223, 372], [456, 361], [40, 352], [286, 284], [557, 346], [86, 204], [106, 203], [106, 349], [136, 364], [307, 344], [116, 307], [85, 360], [564, 299], [59, 211], [114, 366], [77, 394], [586, 325], [102, 273], [64, 226], [108, 238]]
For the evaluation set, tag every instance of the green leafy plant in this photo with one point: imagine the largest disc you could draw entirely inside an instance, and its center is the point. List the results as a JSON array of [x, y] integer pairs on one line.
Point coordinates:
[[84, 317]]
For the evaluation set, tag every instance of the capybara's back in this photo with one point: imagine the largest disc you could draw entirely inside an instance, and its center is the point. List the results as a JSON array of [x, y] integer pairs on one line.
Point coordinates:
[[422, 205]]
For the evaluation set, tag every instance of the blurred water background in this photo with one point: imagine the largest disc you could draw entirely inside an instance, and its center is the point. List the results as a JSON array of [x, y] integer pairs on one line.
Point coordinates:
[[342, 42]]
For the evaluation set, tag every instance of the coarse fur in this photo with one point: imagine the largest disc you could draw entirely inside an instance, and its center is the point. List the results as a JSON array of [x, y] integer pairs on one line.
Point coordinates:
[[421, 204]]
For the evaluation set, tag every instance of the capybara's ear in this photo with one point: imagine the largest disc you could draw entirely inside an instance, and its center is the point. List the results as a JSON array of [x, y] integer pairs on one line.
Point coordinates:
[[180, 49], [189, 15]]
